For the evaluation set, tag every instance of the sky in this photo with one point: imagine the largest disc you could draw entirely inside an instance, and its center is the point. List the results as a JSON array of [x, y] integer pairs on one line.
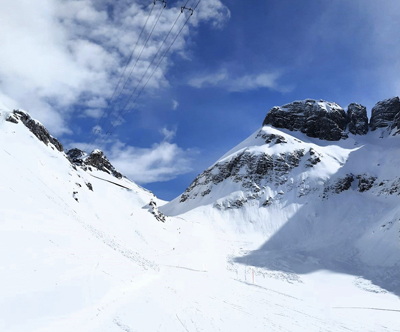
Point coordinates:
[[184, 99]]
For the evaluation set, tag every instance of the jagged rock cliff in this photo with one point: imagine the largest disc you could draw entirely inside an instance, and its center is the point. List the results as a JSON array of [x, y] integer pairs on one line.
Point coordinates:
[[35, 127], [328, 121], [357, 119], [95, 159], [320, 119], [386, 113]]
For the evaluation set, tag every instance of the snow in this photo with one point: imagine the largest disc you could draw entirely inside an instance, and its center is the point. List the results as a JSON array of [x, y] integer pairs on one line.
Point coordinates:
[[104, 263]]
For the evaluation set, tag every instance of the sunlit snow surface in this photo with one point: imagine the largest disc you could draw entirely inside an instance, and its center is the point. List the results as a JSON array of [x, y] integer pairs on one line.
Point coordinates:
[[104, 263]]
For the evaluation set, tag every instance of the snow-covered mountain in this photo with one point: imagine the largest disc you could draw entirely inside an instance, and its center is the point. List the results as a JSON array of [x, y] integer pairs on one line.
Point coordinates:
[[322, 186], [292, 230]]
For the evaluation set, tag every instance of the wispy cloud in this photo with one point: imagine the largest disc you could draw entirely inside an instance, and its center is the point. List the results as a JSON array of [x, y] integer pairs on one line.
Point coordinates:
[[232, 83], [161, 162], [58, 54], [168, 134], [95, 113], [175, 104]]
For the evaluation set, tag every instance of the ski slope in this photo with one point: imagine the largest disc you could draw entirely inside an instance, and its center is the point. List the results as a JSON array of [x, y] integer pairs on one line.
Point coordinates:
[[74, 259]]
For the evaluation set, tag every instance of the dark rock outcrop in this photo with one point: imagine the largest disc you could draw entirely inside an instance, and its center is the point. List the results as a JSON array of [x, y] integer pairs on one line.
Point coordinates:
[[358, 119], [96, 159], [99, 160], [12, 118], [386, 114], [153, 209], [318, 119], [89, 185], [365, 183], [271, 138], [36, 128], [314, 159], [76, 156]]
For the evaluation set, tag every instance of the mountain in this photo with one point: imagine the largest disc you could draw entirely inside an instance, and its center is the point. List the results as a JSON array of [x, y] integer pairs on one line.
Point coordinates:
[[322, 185], [286, 232]]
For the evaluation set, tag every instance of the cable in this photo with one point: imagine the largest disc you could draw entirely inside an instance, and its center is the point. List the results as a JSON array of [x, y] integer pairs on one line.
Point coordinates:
[[137, 60], [92, 137], [124, 111]]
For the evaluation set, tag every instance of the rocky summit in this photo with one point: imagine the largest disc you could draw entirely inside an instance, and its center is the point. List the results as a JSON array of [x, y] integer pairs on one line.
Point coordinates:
[[328, 121], [95, 159], [386, 113], [320, 119]]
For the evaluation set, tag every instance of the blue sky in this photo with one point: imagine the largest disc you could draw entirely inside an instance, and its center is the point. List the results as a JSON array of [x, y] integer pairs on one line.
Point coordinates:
[[233, 62]]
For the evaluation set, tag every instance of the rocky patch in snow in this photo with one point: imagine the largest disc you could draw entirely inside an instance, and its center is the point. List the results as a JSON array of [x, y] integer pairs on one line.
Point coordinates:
[[153, 209], [271, 138], [365, 182], [314, 159]]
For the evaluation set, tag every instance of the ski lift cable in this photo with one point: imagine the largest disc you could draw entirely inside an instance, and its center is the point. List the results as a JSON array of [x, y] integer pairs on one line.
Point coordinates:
[[123, 110], [159, 62], [125, 68], [134, 66], [155, 56]]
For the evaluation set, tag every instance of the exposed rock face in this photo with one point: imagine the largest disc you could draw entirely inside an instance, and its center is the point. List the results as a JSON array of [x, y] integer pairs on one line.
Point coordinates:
[[96, 159], [365, 182], [386, 114], [36, 128], [319, 119], [76, 156], [358, 119], [249, 169], [396, 123], [100, 161]]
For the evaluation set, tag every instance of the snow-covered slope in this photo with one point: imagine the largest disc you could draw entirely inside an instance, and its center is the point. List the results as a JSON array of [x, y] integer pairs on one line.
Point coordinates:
[[84, 249]]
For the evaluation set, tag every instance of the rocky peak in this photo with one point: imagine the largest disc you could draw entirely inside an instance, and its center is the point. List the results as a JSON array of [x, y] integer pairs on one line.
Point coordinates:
[[386, 113], [95, 159], [319, 119], [358, 119], [35, 127]]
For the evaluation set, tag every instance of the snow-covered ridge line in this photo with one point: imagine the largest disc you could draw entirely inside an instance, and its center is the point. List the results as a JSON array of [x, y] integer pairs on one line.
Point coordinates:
[[35, 127], [96, 159]]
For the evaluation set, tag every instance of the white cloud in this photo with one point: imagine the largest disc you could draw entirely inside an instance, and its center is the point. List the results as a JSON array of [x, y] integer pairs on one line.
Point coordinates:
[[223, 79], [95, 113], [175, 104], [209, 80], [162, 162], [168, 134], [57, 54]]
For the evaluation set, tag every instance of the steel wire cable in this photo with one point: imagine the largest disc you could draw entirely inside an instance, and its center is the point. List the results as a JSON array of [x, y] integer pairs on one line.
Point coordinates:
[[124, 110], [124, 71]]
